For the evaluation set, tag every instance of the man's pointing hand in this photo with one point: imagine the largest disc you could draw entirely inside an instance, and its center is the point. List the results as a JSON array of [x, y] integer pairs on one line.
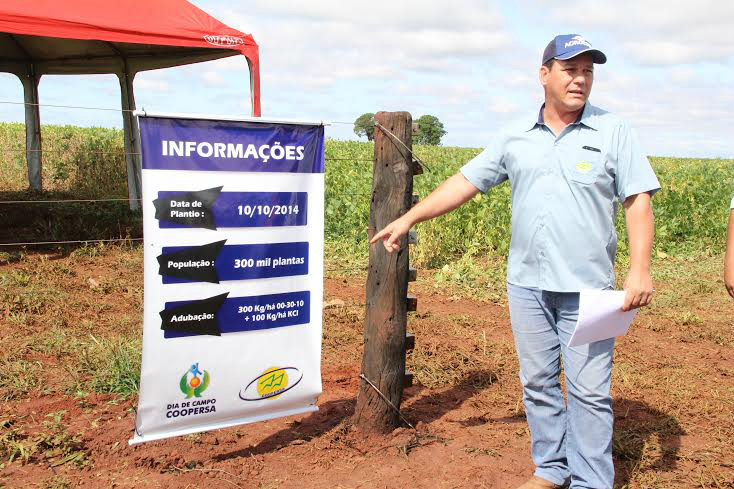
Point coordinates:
[[391, 234]]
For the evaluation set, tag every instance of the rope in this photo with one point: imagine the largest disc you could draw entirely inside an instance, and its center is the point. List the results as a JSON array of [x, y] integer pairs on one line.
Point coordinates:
[[384, 398]]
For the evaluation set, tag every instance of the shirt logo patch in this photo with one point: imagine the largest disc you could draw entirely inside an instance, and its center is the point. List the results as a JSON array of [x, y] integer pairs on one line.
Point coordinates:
[[584, 167]]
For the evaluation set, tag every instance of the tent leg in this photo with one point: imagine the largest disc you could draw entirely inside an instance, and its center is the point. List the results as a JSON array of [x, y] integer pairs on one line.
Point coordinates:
[[32, 127], [132, 141]]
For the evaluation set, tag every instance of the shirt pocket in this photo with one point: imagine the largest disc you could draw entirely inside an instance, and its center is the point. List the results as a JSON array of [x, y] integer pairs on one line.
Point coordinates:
[[585, 168]]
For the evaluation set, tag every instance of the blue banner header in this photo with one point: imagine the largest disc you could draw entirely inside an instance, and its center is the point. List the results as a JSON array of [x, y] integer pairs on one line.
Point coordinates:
[[209, 145]]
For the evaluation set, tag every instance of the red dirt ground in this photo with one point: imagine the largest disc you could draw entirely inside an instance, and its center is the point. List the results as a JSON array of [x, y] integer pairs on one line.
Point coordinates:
[[465, 437]]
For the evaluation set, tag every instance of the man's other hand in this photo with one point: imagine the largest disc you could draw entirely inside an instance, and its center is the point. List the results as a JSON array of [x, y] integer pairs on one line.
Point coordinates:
[[729, 257], [729, 277], [391, 234], [638, 288]]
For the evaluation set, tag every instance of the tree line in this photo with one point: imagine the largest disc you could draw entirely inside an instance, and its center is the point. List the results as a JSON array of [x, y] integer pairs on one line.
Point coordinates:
[[430, 129]]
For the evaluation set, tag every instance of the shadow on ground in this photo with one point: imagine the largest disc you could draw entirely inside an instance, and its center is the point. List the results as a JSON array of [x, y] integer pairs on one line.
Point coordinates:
[[334, 415], [637, 426]]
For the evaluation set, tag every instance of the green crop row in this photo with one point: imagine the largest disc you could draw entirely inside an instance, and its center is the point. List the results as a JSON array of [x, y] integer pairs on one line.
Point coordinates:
[[84, 162], [691, 209]]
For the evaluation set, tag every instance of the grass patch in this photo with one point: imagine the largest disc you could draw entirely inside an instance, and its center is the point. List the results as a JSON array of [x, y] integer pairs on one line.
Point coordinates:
[[18, 376], [343, 333], [53, 444], [106, 365], [481, 278], [465, 353]]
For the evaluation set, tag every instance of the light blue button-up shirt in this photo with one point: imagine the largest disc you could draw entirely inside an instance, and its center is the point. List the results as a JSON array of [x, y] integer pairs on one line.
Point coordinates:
[[565, 193]]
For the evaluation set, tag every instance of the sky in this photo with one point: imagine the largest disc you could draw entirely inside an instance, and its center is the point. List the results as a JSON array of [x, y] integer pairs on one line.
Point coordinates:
[[471, 63]]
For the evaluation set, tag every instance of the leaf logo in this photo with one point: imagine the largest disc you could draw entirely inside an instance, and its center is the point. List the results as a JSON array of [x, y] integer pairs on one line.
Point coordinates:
[[271, 384]]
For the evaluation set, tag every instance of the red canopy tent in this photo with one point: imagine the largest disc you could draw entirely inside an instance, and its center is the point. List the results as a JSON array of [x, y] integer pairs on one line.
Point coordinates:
[[90, 36]]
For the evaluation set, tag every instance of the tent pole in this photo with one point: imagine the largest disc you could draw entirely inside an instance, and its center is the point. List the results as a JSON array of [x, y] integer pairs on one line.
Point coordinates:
[[254, 66], [32, 127], [132, 142]]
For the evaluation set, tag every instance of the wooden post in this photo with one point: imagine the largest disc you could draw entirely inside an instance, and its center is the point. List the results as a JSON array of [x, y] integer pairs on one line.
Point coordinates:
[[383, 362]]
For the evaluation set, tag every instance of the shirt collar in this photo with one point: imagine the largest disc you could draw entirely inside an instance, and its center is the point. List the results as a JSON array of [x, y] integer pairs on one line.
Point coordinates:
[[585, 117]]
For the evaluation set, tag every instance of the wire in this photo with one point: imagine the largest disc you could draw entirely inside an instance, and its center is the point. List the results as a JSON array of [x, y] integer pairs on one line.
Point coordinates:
[[384, 398], [330, 306], [63, 200], [347, 159], [8, 102], [60, 201], [377, 124], [437, 124], [64, 151], [118, 153], [70, 242]]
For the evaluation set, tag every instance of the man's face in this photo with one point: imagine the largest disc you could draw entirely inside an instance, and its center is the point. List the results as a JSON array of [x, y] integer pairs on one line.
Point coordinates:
[[568, 83]]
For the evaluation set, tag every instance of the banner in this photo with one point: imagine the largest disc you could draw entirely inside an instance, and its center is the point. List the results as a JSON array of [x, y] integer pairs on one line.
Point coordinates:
[[233, 226]]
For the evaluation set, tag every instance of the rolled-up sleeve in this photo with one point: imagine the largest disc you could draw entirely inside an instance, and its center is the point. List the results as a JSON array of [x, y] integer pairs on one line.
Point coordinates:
[[487, 169], [634, 172]]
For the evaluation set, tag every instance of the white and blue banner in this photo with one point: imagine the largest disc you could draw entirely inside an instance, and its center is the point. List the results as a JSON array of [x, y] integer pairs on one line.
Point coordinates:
[[233, 215]]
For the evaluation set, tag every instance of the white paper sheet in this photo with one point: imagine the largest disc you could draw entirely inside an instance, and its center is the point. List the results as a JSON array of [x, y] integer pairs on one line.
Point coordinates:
[[601, 316]]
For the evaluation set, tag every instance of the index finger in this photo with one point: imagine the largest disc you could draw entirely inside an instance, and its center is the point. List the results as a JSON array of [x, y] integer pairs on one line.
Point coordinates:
[[378, 236]]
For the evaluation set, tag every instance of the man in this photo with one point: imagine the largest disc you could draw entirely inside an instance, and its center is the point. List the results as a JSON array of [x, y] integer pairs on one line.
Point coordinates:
[[729, 257], [568, 165]]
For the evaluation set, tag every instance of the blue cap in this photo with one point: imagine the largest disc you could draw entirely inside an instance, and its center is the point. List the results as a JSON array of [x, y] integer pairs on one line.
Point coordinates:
[[566, 46]]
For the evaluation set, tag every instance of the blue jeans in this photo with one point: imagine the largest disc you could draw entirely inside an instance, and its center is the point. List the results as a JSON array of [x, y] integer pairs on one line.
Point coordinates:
[[569, 441]]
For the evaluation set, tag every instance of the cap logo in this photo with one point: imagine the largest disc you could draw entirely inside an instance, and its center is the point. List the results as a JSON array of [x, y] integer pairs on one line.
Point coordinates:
[[576, 40]]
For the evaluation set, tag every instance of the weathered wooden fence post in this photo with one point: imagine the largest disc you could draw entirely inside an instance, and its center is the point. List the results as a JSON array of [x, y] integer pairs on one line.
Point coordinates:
[[383, 363]]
